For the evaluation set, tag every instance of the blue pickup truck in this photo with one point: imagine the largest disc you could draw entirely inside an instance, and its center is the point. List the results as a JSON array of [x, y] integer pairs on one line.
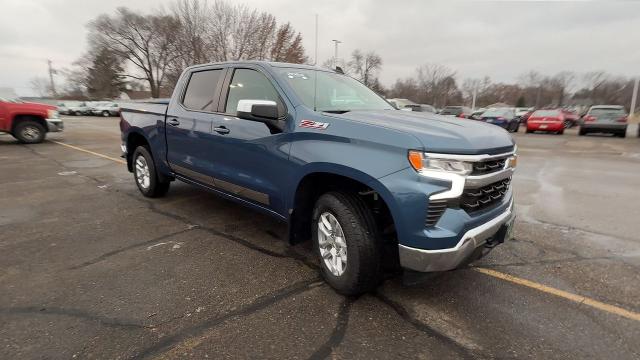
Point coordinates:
[[368, 184]]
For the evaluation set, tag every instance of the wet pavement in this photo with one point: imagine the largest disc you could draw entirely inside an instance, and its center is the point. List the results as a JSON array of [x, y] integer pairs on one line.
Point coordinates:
[[89, 268]]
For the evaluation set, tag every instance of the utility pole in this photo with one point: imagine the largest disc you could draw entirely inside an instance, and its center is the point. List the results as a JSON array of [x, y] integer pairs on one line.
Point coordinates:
[[634, 97], [52, 84], [475, 94], [335, 53]]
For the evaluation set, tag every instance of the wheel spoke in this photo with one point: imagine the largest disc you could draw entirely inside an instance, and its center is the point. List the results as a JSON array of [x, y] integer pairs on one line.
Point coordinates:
[[322, 227], [326, 222]]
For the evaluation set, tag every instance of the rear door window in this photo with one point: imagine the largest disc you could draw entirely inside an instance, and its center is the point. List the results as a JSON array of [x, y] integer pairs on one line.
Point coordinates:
[[201, 90]]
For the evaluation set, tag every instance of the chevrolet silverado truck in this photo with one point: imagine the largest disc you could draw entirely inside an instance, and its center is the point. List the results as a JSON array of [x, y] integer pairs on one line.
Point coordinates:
[[370, 185], [27, 122]]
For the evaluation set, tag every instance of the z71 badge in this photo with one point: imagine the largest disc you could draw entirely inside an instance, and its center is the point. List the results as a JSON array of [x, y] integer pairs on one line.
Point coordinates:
[[313, 124]]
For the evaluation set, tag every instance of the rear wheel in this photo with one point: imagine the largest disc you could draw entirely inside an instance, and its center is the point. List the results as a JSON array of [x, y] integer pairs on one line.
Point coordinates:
[[528, 131], [347, 243], [622, 134], [582, 132], [29, 132], [144, 172], [105, 113]]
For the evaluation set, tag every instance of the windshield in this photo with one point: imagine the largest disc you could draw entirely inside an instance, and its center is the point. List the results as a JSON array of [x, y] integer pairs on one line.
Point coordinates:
[[542, 113], [333, 92], [452, 110], [607, 112], [400, 103], [497, 112], [11, 100]]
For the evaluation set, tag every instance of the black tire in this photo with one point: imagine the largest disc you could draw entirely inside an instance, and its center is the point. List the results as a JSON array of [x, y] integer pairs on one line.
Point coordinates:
[[516, 126], [29, 132], [582, 132], [528, 131], [106, 113], [363, 271], [75, 113], [155, 187], [622, 134]]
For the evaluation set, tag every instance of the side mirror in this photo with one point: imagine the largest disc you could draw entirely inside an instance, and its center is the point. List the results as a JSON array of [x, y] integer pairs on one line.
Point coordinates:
[[258, 110]]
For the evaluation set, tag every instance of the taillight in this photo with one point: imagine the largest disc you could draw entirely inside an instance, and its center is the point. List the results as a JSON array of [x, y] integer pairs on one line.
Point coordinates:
[[589, 118], [622, 119], [462, 115], [499, 118]]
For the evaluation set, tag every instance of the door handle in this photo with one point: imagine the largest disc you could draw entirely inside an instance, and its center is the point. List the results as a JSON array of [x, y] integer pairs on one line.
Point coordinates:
[[221, 130], [174, 122]]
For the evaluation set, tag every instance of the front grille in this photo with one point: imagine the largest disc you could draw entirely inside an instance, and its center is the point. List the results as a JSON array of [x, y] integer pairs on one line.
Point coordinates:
[[482, 198], [488, 166], [435, 211]]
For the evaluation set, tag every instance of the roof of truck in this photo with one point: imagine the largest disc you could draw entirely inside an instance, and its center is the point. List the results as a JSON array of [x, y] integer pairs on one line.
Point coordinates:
[[261, 62]]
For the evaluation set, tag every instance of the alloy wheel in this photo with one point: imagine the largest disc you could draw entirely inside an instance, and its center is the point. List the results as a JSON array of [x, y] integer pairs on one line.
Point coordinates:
[[332, 244]]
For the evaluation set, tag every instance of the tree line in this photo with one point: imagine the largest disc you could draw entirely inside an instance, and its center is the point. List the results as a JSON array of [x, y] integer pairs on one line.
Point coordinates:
[[129, 50], [438, 85], [133, 50]]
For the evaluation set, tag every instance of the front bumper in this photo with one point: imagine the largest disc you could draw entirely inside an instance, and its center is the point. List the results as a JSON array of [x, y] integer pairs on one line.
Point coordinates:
[[450, 258], [55, 125]]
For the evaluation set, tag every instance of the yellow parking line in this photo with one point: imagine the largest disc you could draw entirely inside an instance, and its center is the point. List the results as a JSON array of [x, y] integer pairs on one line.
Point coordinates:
[[90, 152], [560, 293], [496, 274]]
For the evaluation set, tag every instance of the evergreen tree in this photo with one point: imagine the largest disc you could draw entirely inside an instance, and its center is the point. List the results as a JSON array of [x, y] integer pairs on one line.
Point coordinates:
[[105, 76]]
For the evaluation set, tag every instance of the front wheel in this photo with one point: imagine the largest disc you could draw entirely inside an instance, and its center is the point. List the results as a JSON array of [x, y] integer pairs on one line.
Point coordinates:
[[144, 172], [347, 243], [29, 132], [106, 113]]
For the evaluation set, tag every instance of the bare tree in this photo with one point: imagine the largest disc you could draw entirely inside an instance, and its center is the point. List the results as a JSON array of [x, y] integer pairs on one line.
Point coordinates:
[[434, 81], [365, 67], [41, 86], [562, 83], [148, 42]]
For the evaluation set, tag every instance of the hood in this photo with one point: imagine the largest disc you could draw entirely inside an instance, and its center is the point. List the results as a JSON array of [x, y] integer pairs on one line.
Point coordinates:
[[28, 106], [437, 133]]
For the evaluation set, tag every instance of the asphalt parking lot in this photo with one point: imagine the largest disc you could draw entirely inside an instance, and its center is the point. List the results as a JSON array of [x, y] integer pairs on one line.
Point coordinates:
[[91, 269]]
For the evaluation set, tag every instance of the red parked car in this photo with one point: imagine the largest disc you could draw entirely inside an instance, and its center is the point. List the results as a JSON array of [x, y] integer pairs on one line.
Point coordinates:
[[546, 120], [27, 122], [570, 118]]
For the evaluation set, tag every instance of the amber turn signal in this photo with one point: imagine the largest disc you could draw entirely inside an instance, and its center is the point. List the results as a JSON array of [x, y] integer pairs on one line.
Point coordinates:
[[415, 159]]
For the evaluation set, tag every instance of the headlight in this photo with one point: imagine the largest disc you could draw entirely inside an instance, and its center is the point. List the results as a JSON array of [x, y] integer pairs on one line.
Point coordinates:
[[52, 114], [420, 162]]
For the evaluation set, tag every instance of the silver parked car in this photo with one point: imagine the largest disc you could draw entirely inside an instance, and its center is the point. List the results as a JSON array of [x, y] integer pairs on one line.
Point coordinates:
[[605, 119], [105, 108], [73, 108]]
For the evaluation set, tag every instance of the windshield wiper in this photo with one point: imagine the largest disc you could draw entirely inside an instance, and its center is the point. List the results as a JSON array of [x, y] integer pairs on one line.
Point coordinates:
[[336, 111]]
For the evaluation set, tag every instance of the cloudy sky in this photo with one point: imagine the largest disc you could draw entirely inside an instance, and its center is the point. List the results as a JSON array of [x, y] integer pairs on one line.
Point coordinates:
[[501, 39]]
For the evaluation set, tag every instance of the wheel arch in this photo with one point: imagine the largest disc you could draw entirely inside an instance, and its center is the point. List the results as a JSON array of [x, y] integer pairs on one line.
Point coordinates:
[[135, 139], [24, 117], [333, 177]]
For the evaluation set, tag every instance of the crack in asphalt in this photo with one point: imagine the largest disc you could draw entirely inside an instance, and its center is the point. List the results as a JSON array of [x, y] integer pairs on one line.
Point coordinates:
[[130, 247], [76, 313], [461, 350], [337, 335], [259, 304], [290, 254]]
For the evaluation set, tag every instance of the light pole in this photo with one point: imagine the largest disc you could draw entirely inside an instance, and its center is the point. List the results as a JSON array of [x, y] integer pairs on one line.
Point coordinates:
[[335, 53], [634, 97]]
